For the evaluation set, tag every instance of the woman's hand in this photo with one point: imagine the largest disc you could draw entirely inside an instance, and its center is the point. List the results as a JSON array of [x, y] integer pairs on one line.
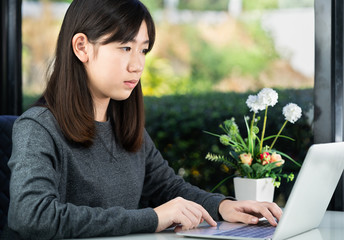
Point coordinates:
[[249, 212], [180, 211]]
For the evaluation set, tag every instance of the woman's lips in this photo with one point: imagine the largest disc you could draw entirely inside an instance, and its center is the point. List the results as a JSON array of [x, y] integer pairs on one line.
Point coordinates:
[[131, 83]]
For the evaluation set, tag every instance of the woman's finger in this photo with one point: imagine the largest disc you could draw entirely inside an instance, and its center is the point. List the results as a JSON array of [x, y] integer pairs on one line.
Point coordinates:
[[201, 213]]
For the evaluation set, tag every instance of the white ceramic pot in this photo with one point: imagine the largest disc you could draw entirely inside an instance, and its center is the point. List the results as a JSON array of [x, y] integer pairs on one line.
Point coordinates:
[[261, 189]]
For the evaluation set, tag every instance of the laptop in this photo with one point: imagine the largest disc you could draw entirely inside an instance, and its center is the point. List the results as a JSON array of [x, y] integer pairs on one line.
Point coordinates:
[[305, 208]]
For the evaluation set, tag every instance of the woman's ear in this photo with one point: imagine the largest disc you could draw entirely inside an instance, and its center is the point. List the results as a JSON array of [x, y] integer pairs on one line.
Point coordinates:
[[80, 46]]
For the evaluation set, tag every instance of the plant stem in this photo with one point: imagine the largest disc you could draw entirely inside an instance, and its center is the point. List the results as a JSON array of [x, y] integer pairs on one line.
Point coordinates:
[[285, 123], [220, 183], [263, 131], [251, 129]]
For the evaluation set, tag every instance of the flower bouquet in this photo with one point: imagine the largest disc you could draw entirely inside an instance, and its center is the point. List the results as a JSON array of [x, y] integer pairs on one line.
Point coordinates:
[[250, 156]]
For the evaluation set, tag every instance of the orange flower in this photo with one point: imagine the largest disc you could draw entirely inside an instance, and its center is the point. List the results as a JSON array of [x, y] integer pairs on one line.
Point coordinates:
[[277, 158], [246, 158]]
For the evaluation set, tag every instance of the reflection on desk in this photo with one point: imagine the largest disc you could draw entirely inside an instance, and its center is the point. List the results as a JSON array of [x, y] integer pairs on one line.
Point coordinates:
[[331, 228], [310, 235]]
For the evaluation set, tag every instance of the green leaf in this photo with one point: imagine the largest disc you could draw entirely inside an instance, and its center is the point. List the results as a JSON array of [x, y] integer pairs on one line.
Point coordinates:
[[282, 136], [285, 155], [221, 159], [259, 169], [246, 169], [213, 134]]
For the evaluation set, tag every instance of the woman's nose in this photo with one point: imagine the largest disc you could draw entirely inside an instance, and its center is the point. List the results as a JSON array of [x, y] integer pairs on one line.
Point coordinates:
[[136, 63]]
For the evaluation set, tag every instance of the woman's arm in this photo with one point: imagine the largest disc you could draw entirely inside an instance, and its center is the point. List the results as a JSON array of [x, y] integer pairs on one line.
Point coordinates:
[[36, 210], [162, 184]]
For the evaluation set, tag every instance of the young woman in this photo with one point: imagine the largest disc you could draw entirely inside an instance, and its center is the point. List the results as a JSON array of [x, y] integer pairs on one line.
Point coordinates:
[[82, 164]]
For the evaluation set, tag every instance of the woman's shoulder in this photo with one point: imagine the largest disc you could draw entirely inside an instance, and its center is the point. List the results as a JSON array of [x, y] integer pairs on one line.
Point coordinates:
[[38, 122], [36, 113], [41, 115]]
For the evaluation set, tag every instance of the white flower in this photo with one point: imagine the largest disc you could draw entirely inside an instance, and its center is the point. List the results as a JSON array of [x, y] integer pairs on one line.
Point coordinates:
[[268, 97], [254, 104], [292, 112]]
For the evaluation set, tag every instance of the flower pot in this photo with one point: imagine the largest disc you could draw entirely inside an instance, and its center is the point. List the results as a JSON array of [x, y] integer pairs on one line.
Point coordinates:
[[261, 189]]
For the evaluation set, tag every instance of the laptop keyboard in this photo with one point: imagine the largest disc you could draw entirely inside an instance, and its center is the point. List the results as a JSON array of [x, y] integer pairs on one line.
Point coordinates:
[[262, 230]]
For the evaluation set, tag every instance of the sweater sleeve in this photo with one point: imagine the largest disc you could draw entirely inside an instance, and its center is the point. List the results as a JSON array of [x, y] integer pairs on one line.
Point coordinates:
[[162, 184], [36, 211]]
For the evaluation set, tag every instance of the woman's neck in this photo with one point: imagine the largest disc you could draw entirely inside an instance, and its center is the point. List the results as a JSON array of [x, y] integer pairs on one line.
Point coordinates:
[[100, 109]]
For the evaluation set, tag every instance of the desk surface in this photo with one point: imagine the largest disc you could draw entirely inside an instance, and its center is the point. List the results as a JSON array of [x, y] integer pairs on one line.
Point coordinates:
[[331, 228]]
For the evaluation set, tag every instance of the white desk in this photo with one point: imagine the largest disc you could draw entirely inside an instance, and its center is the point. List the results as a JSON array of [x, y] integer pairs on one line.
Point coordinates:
[[331, 228]]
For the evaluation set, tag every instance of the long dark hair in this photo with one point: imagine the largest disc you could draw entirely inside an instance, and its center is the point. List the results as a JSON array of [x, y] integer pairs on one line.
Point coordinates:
[[67, 94]]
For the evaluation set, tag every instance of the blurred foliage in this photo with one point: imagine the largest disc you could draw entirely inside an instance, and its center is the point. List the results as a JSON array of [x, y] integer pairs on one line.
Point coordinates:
[[212, 63], [176, 124], [35, 58], [192, 61], [160, 78], [204, 5], [153, 5], [259, 4], [296, 3], [222, 5], [188, 58], [68, 1], [219, 5], [28, 100]]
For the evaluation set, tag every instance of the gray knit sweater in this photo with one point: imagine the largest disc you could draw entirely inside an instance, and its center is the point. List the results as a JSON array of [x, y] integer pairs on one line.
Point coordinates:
[[61, 190]]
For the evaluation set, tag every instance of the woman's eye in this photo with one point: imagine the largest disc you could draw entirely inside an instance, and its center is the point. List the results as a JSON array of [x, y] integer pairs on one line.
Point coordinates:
[[127, 49], [145, 51]]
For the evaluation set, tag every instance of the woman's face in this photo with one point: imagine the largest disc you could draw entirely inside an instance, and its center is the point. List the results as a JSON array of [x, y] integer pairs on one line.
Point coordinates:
[[115, 69]]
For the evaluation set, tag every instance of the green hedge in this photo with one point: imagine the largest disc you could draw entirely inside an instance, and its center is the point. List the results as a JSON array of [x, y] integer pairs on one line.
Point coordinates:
[[176, 124]]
